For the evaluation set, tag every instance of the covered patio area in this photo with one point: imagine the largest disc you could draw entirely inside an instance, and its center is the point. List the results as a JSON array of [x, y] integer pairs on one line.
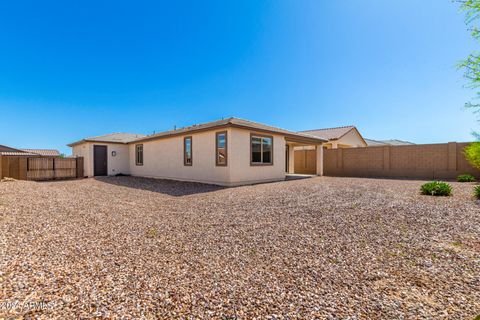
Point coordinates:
[[303, 157]]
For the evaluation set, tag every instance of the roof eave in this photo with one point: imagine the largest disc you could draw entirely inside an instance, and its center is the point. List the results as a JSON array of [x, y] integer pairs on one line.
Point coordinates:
[[94, 141], [229, 124]]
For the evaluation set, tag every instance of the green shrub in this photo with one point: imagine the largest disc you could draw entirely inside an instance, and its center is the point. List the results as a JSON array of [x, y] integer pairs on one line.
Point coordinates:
[[436, 188], [476, 192], [465, 178], [472, 153]]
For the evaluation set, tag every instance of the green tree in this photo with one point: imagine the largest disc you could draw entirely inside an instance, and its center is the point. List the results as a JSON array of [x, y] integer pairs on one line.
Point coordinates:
[[472, 153], [471, 68], [471, 65]]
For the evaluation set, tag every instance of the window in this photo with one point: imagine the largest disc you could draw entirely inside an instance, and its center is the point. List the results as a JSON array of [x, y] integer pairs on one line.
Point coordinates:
[[221, 148], [261, 150], [139, 154], [187, 151]]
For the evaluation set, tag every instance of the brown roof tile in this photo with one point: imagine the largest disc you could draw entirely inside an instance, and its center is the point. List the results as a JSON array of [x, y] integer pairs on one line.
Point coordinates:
[[233, 122], [330, 133], [43, 152]]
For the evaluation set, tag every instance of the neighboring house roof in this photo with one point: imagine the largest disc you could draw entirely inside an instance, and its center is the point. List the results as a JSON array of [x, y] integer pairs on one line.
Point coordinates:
[[391, 142], [335, 133], [17, 154], [374, 143], [236, 123], [396, 142], [43, 152], [330, 133], [8, 151], [118, 137]]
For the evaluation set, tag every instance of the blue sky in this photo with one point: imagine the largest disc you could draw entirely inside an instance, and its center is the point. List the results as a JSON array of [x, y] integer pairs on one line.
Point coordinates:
[[69, 70]]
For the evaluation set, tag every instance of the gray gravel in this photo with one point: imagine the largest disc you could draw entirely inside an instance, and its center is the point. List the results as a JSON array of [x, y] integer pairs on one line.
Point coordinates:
[[322, 248]]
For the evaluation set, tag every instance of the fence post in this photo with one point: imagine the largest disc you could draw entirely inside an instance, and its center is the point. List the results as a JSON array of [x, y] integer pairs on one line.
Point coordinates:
[[1, 176], [79, 165], [452, 156]]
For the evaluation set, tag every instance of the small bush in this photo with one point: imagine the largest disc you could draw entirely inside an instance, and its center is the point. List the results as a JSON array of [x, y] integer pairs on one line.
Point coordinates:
[[436, 188], [476, 192], [465, 178]]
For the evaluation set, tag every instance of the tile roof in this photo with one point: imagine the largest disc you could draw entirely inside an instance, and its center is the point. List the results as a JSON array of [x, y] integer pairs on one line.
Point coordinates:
[[330, 133], [43, 152], [5, 148], [396, 142], [374, 143], [234, 122], [8, 151], [391, 142], [119, 137], [17, 154]]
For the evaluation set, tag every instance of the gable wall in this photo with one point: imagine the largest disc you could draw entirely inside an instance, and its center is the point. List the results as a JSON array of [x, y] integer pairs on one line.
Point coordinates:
[[351, 139]]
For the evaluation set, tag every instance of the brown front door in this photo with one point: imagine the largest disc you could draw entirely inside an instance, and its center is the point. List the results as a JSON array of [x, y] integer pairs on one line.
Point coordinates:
[[100, 161]]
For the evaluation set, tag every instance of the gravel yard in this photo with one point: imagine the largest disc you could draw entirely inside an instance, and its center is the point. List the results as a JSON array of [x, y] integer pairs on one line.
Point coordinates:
[[327, 248]]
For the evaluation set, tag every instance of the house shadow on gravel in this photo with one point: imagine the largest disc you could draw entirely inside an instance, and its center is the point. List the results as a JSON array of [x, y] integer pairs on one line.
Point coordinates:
[[163, 186]]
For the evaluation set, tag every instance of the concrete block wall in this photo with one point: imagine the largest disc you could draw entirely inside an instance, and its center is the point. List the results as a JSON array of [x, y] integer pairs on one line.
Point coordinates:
[[427, 161]]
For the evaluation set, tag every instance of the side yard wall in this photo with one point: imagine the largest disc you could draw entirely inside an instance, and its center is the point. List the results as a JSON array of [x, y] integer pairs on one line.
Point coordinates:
[[427, 161]]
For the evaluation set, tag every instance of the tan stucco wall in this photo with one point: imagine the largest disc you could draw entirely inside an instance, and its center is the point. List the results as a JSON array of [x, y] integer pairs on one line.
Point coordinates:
[[163, 158], [115, 165], [239, 154], [83, 150]]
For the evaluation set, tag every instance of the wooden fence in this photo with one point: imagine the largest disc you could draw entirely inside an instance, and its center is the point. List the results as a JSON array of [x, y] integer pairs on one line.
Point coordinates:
[[423, 161], [41, 168]]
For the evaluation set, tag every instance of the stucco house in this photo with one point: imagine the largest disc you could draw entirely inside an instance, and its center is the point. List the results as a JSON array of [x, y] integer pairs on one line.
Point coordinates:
[[339, 137], [226, 152]]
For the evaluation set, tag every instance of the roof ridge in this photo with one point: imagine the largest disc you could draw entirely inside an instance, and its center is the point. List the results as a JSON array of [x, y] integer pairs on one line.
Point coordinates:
[[267, 125], [231, 121], [111, 134], [274, 127], [340, 127], [398, 140]]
